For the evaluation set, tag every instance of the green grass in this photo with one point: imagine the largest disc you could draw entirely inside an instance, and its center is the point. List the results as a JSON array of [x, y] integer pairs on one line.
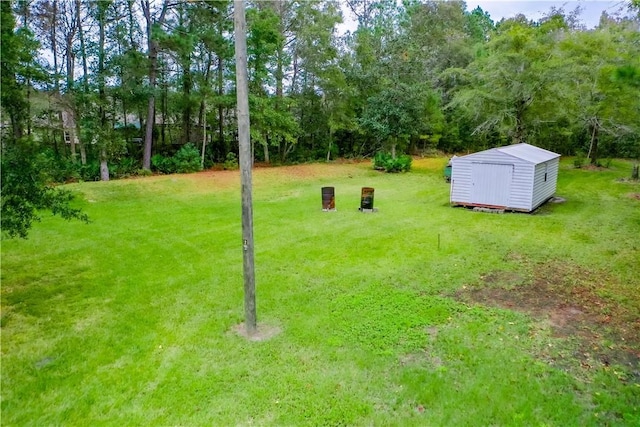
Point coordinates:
[[129, 320]]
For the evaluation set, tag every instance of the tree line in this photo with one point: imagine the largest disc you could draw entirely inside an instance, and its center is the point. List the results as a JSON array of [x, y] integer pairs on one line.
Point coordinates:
[[110, 88], [104, 86]]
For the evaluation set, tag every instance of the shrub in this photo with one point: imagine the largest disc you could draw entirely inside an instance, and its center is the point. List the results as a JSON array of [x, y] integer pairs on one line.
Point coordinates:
[[231, 162], [124, 168], [380, 160], [163, 164], [90, 171], [187, 159], [58, 169], [61, 169], [26, 189], [578, 162], [384, 161]]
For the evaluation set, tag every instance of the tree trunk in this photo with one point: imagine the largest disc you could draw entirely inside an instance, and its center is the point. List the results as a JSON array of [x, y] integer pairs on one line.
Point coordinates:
[[83, 149], [164, 101], [17, 127], [202, 116], [104, 167], [221, 141], [70, 126], [54, 44], [102, 95], [294, 77], [152, 46], [279, 73], [635, 173], [151, 110], [56, 81], [85, 84], [49, 127], [266, 149], [70, 103], [204, 131], [186, 93], [29, 121], [518, 135], [593, 146], [132, 41]]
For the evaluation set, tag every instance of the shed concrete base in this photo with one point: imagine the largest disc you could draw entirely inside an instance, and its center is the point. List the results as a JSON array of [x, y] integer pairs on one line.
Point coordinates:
[[488, 210]]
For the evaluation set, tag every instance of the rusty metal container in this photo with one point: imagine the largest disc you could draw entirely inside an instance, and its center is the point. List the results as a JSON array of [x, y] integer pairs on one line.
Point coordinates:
[[328, 199], [366, 199]]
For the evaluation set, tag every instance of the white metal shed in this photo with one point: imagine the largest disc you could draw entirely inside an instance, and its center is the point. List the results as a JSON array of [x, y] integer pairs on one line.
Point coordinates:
[[517, 177]]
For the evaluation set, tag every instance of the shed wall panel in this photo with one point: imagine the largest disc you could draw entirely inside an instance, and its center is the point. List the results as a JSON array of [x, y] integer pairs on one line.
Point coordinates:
[[544, 186], [522, 187], [460, 182], [462, 179]]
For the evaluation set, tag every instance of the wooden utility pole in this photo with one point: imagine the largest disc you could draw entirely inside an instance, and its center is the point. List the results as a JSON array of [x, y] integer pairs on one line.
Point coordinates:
[[242, 90]]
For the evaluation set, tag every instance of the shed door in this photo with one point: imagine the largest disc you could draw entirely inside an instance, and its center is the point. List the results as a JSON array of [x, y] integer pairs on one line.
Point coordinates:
[[491, 183]]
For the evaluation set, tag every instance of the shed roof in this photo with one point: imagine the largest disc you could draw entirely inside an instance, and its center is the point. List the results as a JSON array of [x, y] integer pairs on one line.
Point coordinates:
[[526, 152], [529, 153]]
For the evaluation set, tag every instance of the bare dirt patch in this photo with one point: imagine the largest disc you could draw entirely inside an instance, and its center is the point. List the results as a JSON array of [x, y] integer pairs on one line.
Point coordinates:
[[263, 333], [569, 301], [221, 179], [264, 174], [635, 196], [305, 171]]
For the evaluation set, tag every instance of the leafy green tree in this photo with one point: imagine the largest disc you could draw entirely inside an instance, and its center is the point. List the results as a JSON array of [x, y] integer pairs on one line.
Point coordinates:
[[262, 44], [338, 107], [212, 56], [319, 86], [127, 66], [26, 190], [179, 38], [414, 73], [439, 35], [47, 18], [105, 128], [24, 185], [271, 120], [600, 92], [368, 65], [154, 20], [480, 26], [507, 83], [80, 95], [394, 115], [18, 51], [435, 37]]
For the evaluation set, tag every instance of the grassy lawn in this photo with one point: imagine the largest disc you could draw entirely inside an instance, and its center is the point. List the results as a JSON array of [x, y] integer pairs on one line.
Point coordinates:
[[420, 314]]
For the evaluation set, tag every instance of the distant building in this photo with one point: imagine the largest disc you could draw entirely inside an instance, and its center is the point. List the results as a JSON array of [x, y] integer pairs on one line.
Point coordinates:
[[517, 177]]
